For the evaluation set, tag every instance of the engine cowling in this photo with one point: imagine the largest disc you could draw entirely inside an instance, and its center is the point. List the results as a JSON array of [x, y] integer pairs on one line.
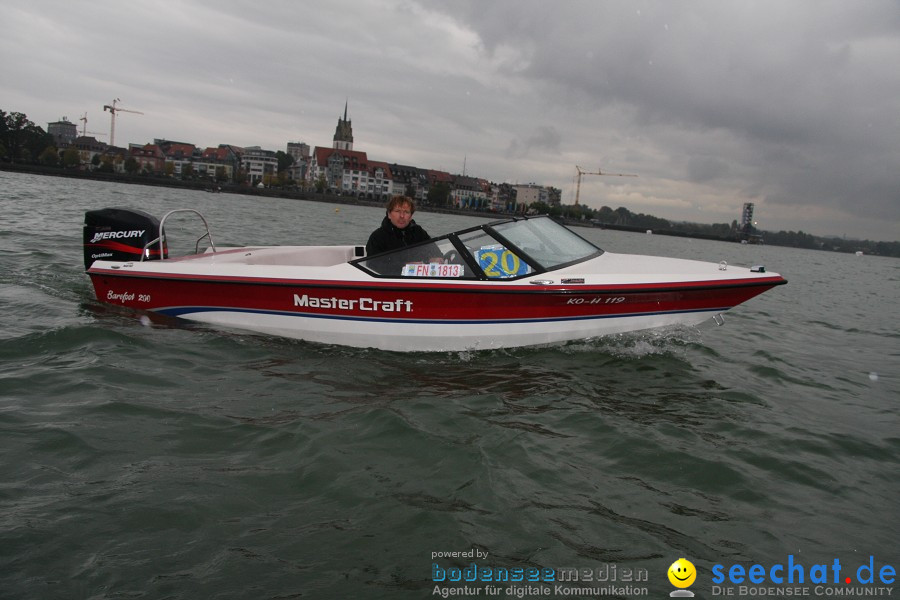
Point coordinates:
[[120, 234]]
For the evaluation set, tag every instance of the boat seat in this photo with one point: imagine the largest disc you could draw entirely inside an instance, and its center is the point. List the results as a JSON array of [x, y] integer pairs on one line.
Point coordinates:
[[307, 256], [311, 256]]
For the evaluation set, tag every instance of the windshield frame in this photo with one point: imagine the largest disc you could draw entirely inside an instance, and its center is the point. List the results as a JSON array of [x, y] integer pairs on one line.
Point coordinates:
[[473, 270]]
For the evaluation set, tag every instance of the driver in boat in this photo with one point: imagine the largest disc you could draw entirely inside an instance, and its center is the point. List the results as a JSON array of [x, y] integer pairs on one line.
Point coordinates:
[[398, 229]]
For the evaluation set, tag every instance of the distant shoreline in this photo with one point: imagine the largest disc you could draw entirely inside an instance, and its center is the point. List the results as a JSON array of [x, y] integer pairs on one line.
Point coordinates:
[[335, 199], [298, 195], [205, 186]]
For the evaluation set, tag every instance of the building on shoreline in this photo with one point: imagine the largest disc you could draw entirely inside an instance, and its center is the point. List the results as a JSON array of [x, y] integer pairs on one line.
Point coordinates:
[[64, 133], [339, 169], [343, 134]]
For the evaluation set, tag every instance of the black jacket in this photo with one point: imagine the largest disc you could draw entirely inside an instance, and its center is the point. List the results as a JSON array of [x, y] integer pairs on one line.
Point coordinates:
[[387, 237]]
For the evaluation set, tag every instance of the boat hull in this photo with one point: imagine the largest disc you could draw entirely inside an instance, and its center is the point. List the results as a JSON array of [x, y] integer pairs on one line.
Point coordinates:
[[400, 315]]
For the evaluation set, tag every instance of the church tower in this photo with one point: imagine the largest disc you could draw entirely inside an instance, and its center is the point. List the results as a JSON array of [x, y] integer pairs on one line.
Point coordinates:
[[343, 135]]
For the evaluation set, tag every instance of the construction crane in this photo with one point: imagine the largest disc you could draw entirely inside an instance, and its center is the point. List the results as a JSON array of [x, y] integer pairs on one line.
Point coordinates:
[[84, 130], [579, 172], [113, 109]]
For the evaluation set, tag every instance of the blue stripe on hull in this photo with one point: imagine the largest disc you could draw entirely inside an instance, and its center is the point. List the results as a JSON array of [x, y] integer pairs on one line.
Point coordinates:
[[185, 311]]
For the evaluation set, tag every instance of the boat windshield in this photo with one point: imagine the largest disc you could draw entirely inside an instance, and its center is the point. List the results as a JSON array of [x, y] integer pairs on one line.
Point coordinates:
[[501, 250], [546, 242]]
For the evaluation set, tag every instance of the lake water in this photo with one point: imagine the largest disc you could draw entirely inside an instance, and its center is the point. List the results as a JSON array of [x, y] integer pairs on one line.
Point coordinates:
[[154, 461]]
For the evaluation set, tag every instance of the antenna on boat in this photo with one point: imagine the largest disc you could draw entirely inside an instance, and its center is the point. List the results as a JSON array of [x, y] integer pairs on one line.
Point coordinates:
[[579, 172]]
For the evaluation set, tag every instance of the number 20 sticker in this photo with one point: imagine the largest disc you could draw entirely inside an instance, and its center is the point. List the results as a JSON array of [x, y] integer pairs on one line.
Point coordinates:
[[498, 263]]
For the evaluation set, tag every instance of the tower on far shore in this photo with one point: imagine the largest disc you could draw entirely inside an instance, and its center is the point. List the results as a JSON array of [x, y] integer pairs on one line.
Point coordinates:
[[343, 134], [747, 217]]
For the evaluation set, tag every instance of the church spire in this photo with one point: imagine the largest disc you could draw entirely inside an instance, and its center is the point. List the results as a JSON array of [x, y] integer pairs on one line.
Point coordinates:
[[343, 134]]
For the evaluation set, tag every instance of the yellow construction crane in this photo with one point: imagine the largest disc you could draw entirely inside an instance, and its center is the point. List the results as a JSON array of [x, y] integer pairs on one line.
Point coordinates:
[[579, 172], [113, 109]]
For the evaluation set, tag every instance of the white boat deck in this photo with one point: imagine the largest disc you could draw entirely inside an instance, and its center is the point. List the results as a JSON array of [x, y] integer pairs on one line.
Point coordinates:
[[293, 256]]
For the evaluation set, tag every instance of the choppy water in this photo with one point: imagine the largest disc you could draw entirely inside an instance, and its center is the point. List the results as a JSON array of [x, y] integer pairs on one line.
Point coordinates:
[[161, 461]]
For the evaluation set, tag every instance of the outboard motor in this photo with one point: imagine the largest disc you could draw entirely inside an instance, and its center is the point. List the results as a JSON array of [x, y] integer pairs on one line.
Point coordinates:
[[119, 234]]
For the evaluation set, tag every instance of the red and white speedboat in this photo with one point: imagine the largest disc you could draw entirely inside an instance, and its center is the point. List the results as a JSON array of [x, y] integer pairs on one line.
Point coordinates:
[[509, 283]]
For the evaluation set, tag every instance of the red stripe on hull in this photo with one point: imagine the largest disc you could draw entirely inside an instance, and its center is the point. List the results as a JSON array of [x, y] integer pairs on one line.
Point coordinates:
[[113, 246], [423, 301]]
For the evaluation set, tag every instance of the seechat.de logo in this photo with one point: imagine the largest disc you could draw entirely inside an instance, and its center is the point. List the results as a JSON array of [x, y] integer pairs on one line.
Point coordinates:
[[794, 572]]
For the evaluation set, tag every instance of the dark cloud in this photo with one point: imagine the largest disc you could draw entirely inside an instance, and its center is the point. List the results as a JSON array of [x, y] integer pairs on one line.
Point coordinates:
[[702, 169], [792, 105], [805, 92], [545, 140]]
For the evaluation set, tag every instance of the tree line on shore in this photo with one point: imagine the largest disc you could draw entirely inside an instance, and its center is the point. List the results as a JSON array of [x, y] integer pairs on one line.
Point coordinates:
[[622, 218], [24, 143]]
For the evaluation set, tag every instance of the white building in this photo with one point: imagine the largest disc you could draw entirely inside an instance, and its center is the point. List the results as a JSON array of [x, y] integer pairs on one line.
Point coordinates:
[[531, 192], [258, 164]]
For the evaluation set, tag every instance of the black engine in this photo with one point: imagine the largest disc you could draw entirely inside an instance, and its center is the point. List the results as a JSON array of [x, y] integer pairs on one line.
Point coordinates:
[[119, 234]]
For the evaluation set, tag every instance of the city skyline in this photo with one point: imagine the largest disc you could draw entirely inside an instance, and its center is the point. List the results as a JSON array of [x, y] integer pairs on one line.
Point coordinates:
[[791, 106]]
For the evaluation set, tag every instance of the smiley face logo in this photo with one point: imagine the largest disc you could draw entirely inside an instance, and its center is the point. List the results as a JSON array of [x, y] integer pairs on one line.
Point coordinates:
[[682, 573]]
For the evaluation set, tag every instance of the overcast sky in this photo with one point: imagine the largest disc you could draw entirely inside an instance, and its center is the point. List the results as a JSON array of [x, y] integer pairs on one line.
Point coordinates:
[[791, 104]]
